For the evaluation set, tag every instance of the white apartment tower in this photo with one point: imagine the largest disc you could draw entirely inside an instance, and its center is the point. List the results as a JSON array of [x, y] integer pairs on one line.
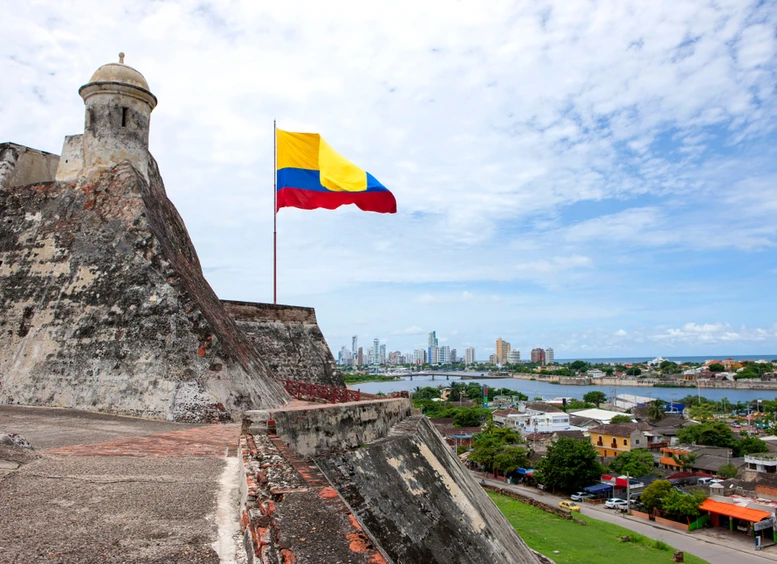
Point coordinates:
[[549, 358], [469, 355]]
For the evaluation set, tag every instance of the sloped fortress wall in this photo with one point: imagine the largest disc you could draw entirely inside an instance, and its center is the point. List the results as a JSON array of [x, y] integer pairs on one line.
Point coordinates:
[[103, 306], [289, 340], [401, 482]]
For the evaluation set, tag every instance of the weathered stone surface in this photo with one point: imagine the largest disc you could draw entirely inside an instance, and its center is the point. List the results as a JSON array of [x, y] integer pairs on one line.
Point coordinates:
[[313, 429], [21, 165], [103, 306], [417, 502], [289, 340]]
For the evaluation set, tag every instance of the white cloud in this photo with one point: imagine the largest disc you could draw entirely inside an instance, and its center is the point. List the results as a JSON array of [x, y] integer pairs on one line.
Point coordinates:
[[590, 160]]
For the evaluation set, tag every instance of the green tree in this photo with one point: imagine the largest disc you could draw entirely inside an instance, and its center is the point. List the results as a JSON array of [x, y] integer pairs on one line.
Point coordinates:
[[635, 463], [685, 460], [469, 417], [653, 495], [669, 367], [510, 458], [578, 365], [569, 465], [681, 506], [712, 433], [491, 443], [656, 410], [595, 397], [426, 393], [727, 471], [749, 445], [634, 371], [716, 367], [620, 419], [702, 412]]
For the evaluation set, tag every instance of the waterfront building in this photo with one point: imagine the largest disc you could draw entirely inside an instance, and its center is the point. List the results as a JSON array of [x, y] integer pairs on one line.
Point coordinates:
[[453, 355], [360, 356], [434, 355], [469, 355], [514, 357], [382, 355], [502, 350], [419, 356], [354, 345], [538, 356], [549, 356], [443, 354], [493, 359]]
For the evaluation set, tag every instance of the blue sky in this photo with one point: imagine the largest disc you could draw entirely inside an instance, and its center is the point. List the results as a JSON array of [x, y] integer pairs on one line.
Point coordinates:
[[596, 177]]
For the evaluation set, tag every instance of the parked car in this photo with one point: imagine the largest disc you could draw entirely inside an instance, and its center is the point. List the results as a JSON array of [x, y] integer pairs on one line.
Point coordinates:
[[571, 505], [616, 503], [581, 496], [704, 481]]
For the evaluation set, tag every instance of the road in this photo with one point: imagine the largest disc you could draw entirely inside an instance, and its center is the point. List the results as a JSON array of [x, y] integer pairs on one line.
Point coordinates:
[[736, 549]]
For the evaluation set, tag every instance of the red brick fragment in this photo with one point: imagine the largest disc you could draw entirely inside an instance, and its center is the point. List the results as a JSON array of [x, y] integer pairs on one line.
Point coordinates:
[[328, 493]]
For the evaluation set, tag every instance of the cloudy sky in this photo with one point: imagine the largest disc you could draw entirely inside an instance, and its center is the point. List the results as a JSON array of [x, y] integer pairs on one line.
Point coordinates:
[[594, 176]]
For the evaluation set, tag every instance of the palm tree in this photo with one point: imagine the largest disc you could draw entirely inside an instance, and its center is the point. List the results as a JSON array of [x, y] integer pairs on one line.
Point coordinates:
[[656, 410]]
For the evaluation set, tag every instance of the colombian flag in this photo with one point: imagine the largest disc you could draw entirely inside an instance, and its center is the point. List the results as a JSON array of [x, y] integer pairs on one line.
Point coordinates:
[[310, 175]]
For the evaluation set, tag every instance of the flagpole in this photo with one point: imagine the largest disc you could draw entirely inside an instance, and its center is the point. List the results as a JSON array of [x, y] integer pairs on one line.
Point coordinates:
[[274, 214]]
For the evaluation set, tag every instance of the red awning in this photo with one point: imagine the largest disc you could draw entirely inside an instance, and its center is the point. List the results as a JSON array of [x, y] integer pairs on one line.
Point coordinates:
[[744, 513]]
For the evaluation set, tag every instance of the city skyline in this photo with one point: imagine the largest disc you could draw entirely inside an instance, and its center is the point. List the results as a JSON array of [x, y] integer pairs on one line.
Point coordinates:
[[434, 353], [596, 176]]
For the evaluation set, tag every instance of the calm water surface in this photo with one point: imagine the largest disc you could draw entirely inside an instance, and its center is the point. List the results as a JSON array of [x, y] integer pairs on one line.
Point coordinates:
[[545, 390]]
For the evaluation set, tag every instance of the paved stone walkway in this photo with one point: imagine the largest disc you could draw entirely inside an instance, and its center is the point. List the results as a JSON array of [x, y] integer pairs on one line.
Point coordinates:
[[212, 441]]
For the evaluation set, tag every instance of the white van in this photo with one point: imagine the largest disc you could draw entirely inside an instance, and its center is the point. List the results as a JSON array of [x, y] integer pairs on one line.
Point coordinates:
[[704, 481]]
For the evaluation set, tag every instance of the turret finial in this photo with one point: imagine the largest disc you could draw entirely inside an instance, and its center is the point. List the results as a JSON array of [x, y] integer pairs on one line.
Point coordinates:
[[121, 58]]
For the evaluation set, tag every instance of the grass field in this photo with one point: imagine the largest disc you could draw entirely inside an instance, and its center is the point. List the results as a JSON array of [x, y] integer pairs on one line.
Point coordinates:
[[597, 541]]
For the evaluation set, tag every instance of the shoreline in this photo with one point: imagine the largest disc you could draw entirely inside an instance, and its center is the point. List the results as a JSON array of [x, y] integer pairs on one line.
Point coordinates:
[[585, 381], [651, 382]]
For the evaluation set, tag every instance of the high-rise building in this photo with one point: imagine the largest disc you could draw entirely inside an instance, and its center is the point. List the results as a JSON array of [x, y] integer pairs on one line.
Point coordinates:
[[345, 358], [434, 355], [549, 357], [432, 339], [469, 355], [514, 356], [393, 358], [354, 344], [502, 350], [382, 355], [419, 356], [360, 356], [443, 354], [538, 356], [453, 355], [492, 359]]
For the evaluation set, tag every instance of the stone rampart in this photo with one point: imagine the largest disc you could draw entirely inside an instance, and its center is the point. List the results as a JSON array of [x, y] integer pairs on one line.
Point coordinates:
[[289, 340], [103, 306], [418, 502], [21, 165], [314, 429]]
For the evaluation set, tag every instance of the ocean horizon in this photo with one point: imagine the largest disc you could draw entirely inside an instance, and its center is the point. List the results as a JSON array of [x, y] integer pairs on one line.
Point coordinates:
[[678, 359]]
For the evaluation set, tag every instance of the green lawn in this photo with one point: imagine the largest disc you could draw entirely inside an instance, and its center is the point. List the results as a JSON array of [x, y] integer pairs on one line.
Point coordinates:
[[595, 542]]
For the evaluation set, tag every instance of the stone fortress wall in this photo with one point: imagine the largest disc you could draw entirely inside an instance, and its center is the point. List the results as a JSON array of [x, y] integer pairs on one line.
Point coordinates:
[[392, 472], [104, 307]]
